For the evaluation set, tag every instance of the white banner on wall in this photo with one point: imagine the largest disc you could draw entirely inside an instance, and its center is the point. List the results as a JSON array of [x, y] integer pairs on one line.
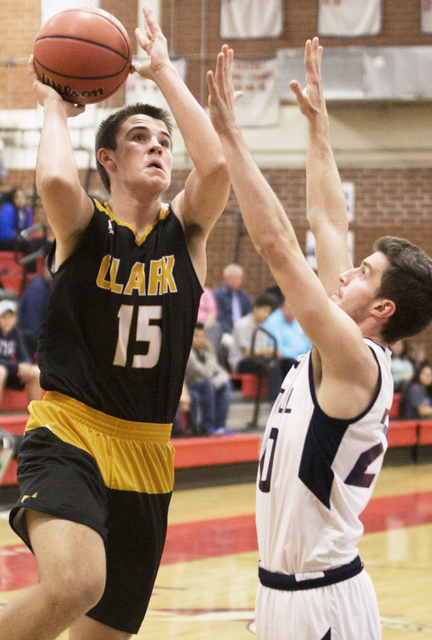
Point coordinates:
[[310, 248], [426, 16], [349, 17], [259, 105], [348, 189], [349, 193], [251, 18], [50, 7], [139, 89]]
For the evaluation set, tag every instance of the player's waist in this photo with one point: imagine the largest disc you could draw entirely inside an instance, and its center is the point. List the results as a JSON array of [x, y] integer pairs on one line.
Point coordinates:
[[54, 401], [311, 580]]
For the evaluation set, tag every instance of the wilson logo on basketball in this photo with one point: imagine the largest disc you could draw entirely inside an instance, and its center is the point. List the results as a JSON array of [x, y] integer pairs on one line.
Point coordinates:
[[67, 91]]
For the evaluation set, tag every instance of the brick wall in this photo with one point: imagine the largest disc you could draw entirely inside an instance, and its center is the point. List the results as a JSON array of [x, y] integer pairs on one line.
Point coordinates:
[[400, 27]]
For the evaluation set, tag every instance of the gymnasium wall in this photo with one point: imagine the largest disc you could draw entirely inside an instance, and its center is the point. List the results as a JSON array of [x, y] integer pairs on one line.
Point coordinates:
[[384, 149]]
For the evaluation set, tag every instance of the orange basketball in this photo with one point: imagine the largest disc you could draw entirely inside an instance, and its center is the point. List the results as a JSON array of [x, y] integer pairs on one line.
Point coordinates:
[[85, 54]]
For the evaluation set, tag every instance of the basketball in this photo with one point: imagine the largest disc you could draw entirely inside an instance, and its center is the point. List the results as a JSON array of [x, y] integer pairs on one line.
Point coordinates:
[[85, 54]]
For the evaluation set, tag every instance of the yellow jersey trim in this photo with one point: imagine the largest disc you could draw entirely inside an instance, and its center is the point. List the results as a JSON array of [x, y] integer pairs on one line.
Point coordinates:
[[163, 212]]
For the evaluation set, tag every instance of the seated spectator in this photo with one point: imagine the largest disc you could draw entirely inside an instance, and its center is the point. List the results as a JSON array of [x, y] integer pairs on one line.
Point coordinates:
[[15, 217], [16, 368], [259, 357], [19, 233], [208, 315], [239, 353], [416, 352], [189, 407], [207, 311], [291, 340], [210, 381], [417, 396], [401, 366], [33, 302], [276, 295], [232, 301]]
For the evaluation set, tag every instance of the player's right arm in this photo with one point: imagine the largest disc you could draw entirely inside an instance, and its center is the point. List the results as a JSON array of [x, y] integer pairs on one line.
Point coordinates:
[[206, 191], [65, 202], [326, 205]]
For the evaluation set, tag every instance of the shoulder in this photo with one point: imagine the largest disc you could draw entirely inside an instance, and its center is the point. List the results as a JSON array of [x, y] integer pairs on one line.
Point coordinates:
[[383, 354], [274, 318], [7, 208], [220, 292]]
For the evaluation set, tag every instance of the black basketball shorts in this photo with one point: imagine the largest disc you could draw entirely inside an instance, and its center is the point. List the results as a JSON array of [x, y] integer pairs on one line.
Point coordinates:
[[111, 475]]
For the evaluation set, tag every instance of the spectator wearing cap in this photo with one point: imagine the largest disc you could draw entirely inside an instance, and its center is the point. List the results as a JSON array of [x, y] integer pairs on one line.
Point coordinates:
[[16, 368]]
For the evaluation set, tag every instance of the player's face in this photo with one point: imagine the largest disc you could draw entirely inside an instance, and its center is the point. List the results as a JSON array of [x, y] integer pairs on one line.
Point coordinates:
[[262, 313], [19, 199], [234, 280], [7, 322], [199, 339], [358, 288], [144, 153]]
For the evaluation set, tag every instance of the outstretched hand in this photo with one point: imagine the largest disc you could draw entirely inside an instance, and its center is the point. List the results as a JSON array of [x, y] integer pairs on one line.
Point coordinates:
[[154, 43], [311, 100], [222, 97], [44, 92]]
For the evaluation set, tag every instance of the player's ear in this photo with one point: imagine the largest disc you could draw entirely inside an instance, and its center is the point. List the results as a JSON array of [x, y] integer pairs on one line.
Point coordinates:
[[104, 157], [383, 308]]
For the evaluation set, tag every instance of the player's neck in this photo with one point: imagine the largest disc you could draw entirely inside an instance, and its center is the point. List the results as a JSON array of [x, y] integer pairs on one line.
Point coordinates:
[[374, 335], [132, 210]]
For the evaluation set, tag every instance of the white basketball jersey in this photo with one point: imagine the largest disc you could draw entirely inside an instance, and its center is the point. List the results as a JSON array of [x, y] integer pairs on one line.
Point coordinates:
[[317, 473]]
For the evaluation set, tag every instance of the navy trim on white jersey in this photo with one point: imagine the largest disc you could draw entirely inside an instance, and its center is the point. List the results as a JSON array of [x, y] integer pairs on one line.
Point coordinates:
[[322, 442]]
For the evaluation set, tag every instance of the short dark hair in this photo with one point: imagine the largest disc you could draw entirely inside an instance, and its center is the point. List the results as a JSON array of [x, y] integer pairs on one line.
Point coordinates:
[[264, 301], [106, 136], [407, 281]]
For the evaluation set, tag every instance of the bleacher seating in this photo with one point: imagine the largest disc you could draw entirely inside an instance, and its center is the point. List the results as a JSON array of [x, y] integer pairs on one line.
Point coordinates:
[[425, 435], [249, 384], [13, 276], [14, 400], [403, 433], [395, 408], [212, 451]]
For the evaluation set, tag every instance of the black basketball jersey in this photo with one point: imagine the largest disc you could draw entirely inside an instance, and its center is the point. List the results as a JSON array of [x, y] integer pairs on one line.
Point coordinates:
[[119, 324]]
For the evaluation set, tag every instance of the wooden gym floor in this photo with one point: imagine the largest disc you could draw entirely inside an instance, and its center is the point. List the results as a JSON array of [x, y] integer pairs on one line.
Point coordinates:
[[206, 585]]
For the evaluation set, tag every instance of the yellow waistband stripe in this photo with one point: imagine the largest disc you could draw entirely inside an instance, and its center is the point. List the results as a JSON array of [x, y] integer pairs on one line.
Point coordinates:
[[138, 431], [132, 456]]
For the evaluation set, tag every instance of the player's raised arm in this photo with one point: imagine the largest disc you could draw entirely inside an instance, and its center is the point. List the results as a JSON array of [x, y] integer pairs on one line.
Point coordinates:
[[346, 361], [67, 206], [267, 223], [325, 198], [207, 187]]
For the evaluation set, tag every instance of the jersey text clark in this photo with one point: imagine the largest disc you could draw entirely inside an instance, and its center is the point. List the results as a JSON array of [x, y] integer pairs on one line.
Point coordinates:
[[160, 277]]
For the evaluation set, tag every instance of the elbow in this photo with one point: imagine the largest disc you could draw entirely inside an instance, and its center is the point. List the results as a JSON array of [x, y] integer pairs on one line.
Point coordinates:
[[272, 246], [49, 182], [218, 170]]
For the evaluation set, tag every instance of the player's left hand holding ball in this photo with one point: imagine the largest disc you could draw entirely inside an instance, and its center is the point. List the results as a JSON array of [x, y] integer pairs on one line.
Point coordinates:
[[43, 92]]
